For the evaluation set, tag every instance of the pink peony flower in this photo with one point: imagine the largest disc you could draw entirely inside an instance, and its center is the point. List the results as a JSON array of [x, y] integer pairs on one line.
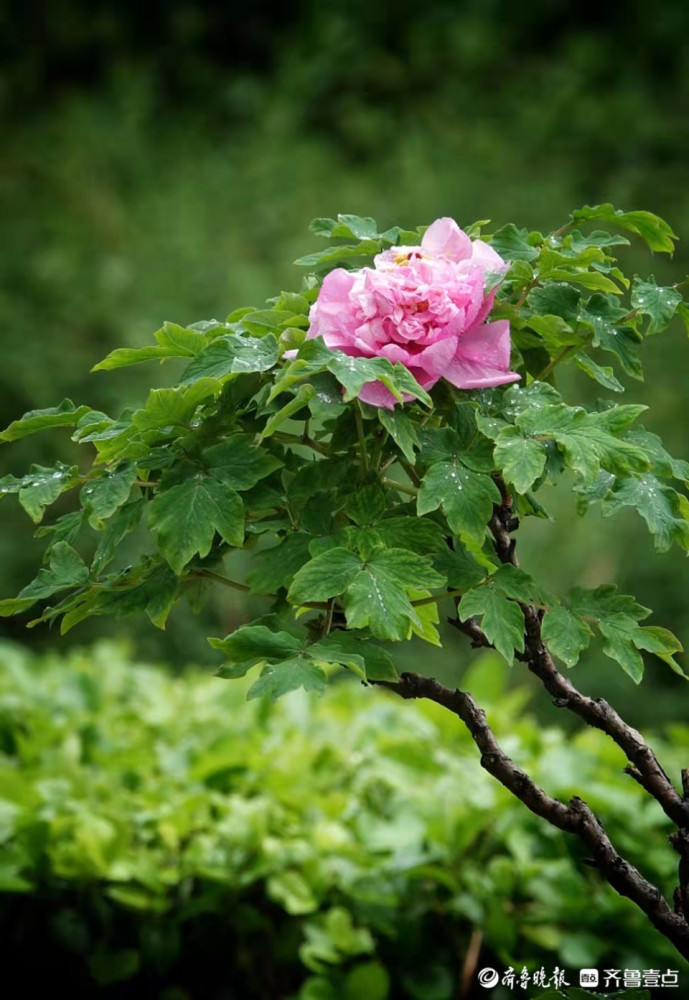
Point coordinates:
[[424, 306]]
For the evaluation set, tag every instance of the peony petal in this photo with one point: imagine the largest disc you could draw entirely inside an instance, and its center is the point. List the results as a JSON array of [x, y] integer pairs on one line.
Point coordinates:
[[486, 258], [332, 310], [482, 358], [375, 394], [488, 343], [444, 238]]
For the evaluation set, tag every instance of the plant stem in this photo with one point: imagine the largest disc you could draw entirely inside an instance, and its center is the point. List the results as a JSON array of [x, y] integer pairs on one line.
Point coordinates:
[[436, 598], [402, 487], [555, 361], [284, 438], [360, 434]]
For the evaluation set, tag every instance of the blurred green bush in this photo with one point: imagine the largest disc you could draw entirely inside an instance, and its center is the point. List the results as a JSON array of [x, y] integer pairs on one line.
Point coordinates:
[[167, 836]]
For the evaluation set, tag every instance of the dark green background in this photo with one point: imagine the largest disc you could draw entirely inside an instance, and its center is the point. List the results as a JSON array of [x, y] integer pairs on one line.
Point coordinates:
[[162, 161]]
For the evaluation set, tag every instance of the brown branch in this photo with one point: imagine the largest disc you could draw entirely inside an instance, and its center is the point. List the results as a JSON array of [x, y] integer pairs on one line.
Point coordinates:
[[595, 712], [575, 818]]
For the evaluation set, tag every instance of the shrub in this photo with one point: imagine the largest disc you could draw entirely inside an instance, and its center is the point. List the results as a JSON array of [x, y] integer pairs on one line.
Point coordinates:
[[166, 833]]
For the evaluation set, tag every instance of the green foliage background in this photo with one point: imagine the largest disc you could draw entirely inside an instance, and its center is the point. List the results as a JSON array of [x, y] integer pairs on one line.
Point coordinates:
[[343, 846]]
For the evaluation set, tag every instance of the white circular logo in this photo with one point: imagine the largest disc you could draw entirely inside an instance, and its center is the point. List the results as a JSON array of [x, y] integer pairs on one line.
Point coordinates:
[[488, 978]]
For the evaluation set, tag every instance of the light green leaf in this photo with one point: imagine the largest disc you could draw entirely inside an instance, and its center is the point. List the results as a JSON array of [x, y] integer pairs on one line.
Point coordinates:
[[618, 633], [612, 333], [651, 228], [289, 675], [662, 643], [325, 576], [419, 534], [511, 243], [521, 459], [354, 373], [377, 600], [303, 396], [566, 634], [64, 415], [600, 373], [659, 304], [257, 642], [186, 517], [173, 342], [589, 441], [240, 463], [41, 487], [101, 497], [401, 430], [660, 506], [66, 570], [502, 620], [520, 586], [233, 354], [466, 498]]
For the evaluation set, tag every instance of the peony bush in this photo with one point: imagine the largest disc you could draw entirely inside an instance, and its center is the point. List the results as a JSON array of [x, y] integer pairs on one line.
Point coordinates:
[[370, 444]]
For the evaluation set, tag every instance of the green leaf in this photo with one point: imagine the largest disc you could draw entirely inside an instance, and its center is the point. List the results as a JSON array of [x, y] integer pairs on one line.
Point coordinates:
[[663, 464], [556, 300], [502, 619], [64, 415], [256, 643], [511, 243], [377, 600], [651, 228], [66, 570], [354, 373], [459, 567], [303, 396], [278, 565], [232, 355], [605, 600], [660, 506], [419, 534], [172, 407], [401, 430], [289, 675], [325, 576], [589, 441], [122, 524], [521, 459], [662, 643], [366, 506], [42, 486], [325, 260], [101, 497], [466, 498], [659, 304], [520, 586], [618, 633], [240, 463], [173, 342], [565, 634], [186, 517], [612, 333], [599, 373]]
